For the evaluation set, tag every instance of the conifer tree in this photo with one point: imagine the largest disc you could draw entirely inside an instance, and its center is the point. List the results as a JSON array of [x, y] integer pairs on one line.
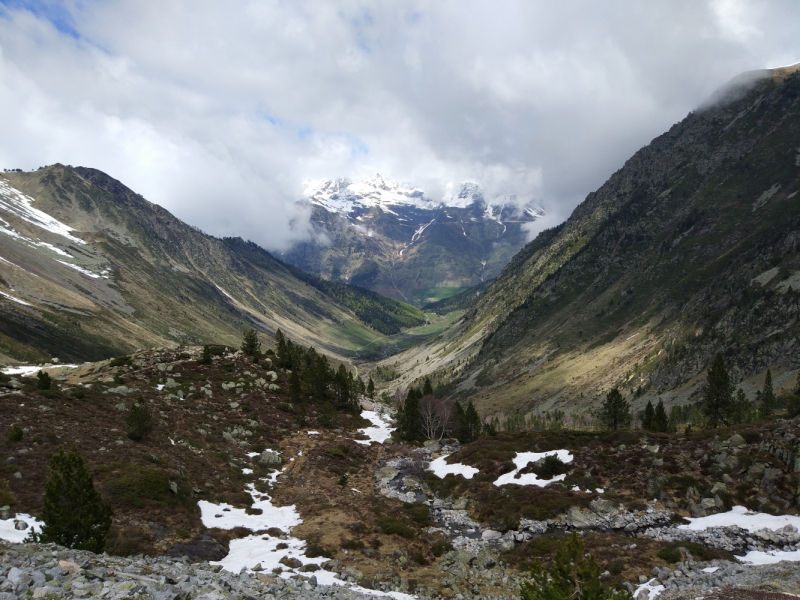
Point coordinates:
[[718, 394], [409, 418], [768, 400], [73, 512], [615, 412], [295, 388], [647, 418], [371, 388], [205, 358], [139, 420], [575, 575], [742, 410], [660, 418], [251, 345], [44, 382], [427, 388]]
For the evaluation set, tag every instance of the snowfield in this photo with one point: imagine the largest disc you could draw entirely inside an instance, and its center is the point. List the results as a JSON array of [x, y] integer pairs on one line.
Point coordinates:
[[523, 459], [381, 430], [10, 534], [441, 469], [741, 517], [18, 204]]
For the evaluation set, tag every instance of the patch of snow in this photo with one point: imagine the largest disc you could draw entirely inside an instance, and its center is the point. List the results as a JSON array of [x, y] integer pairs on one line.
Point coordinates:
[[381, 431], [86, 272], [743, 518], [247, 471], [171, 441], [652, 588], [710, 569], [18, 204], [419, 231], [252, 454], [160, 386], [13, 299], [523, 459], [756, 557], [355, 490], [441, 469], [312, 432], [8, 533]]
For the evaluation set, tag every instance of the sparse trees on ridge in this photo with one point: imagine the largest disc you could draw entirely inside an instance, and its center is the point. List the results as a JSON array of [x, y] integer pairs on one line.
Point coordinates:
[[251, 345]]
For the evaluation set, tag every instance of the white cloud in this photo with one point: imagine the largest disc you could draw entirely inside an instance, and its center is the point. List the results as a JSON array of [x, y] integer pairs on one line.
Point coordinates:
[[218, 111]]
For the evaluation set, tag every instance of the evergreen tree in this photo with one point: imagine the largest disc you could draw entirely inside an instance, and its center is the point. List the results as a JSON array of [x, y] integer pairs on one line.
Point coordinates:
[[718, 394], [139, 420], [427, 388], [615, 412], [44, 382], [409, 418], [742, 410], [295, 388], [73, 512], [575, 575], [205, 358], [768, 400], [647, 418], [251, 345], [660, 419], [371, 388]]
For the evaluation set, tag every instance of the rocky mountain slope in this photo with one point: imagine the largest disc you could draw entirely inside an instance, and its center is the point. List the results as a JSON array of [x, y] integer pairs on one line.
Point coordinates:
[[90, 269], [691, 248], [298, 507], [396, 241]]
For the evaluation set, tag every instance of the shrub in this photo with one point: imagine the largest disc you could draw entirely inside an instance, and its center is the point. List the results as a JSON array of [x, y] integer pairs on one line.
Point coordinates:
[[352, 544], [440, 547], [73, 512], [120, 361], [15, 435], [315, 551], [205, 359], [551, 466], [44, 382], [132, 485], [670, 554], [575, 575], [140, 421], [392, 525], [419, 513]]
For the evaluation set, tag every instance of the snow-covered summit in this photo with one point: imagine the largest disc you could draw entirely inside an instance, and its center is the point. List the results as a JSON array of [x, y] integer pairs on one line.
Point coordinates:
[[343, 195]]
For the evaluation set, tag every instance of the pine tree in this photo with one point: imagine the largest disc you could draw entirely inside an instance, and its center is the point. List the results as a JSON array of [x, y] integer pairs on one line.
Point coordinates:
[[371, 388], [139, 420], [718, 394], [295, 388], [660, 418], [742, 410], [615, 412], [409, 418], [768, 400], [427, 388], [280, 347], [251, 345], [73, 512], [205, 358], [649, 414], [575, 575], [44, 382]]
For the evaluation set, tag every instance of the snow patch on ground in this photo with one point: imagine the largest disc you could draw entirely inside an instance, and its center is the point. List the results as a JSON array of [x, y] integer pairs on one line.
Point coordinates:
[[756, 557], [262, 548], [10, 534], [18, 204], [743, 518], [381, 431], [441, 469], [28, 370], [653, 589], [14, 299], [523, 459], [86, 272]]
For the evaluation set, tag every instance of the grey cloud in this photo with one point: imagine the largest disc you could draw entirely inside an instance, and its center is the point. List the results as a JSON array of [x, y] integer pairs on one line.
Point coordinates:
[[219, 111]]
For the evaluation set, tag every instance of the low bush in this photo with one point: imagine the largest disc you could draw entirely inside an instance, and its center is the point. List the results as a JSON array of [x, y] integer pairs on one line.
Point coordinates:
[[394, 526]]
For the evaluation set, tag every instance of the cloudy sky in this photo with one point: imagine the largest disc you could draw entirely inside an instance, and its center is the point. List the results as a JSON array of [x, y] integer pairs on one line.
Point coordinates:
[[219, 110]]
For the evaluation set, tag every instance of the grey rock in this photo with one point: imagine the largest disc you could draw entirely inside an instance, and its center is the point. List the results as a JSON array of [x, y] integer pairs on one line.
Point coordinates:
[[270, 458], [490, 535]]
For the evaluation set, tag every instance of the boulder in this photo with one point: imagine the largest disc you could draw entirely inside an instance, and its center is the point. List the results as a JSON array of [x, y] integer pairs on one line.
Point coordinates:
[[490, 535], [736, 441], [603, 507], [719, 487], [579, 519], [708, 503]]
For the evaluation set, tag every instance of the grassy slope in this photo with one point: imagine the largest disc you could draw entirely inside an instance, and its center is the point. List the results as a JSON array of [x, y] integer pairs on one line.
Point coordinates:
[[169, 283], [656, 263]]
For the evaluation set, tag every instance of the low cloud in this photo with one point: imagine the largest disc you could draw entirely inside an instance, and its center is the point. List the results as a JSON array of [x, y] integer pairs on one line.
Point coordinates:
[[219, 114]]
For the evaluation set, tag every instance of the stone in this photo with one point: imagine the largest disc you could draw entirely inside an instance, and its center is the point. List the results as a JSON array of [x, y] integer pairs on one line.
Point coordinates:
[[652, 449], [603, 507], [173, 487], [490, 535], [5, 513], [707, 503], [736, 441], [70, 568], [580, 519], [718, 488], [20, 525]]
